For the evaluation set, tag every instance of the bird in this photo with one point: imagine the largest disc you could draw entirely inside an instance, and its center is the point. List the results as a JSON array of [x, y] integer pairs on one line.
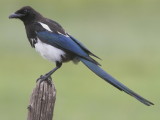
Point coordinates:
[[53, 43]]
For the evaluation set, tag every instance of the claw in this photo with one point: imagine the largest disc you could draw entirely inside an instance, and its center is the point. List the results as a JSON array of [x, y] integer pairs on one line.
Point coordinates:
[[46, 78], [40, 78]]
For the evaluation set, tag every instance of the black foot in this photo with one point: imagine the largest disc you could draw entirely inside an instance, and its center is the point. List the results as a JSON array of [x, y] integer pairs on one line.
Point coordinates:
[[46, 78]]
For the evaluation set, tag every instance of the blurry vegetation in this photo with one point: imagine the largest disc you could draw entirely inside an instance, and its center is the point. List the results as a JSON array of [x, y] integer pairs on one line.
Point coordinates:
[[124, 33]]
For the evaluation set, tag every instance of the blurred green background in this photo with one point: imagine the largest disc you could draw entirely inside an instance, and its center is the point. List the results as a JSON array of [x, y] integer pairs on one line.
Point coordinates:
[[124, 33]]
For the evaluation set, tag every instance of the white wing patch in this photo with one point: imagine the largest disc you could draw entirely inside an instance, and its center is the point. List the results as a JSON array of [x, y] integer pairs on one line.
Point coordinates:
[[63, 34], [45, 26], [49, 52]]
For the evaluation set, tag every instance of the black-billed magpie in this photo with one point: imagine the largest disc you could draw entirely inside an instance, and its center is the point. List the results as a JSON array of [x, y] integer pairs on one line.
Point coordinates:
[[54, 44]]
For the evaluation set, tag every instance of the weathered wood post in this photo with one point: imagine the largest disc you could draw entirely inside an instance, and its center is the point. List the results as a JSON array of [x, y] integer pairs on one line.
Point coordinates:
[[42, 101]]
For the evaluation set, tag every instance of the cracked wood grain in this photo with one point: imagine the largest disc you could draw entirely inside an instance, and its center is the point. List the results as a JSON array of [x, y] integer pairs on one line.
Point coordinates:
[[42, 101]]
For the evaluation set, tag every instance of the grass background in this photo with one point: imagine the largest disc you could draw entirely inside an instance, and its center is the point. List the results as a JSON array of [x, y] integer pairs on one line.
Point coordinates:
[[124, 33]]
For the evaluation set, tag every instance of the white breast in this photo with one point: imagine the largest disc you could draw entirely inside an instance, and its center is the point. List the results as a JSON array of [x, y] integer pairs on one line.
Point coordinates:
[[49, 52]]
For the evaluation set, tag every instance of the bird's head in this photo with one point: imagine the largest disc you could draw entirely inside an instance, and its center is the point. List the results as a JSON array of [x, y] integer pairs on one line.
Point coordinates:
[[26, 14]]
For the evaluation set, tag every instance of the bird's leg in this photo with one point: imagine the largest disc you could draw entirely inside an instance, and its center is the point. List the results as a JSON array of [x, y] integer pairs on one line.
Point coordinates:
[[47, 75]]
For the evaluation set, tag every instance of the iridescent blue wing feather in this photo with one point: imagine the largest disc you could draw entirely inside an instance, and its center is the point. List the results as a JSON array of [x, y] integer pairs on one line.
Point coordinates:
[[65, 43]]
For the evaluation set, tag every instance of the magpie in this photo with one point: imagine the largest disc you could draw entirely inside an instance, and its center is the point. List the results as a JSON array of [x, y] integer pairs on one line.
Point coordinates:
[[56, 45]]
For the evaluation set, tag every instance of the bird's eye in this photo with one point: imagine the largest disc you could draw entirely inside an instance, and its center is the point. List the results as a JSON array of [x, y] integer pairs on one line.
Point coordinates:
[[25, 11]]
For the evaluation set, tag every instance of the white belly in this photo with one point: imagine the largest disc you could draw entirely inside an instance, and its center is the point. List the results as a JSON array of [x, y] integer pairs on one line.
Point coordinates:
[[49, 52]]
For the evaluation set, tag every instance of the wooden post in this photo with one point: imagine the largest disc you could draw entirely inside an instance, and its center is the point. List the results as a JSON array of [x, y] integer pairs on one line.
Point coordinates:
[[42, 101]]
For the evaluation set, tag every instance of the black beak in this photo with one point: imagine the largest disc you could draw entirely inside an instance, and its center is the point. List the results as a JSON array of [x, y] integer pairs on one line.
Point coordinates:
[[14, 15]]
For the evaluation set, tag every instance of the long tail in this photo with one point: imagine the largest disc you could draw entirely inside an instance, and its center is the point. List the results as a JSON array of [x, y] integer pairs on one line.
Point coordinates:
[[104, 75]]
